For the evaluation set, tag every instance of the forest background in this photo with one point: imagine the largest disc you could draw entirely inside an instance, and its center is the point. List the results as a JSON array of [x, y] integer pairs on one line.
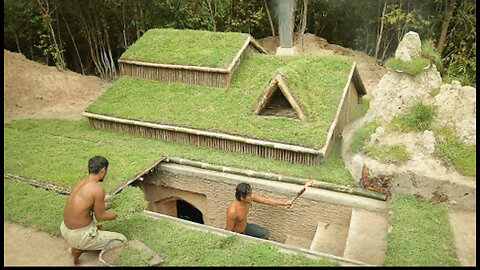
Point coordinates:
[[88, 36]]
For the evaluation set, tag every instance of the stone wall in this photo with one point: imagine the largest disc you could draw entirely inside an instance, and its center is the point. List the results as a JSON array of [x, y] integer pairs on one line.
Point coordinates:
[[212, 197]]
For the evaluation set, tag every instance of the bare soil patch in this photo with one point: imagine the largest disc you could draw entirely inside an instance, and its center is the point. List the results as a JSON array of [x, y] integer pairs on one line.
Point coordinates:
[[33, 90]]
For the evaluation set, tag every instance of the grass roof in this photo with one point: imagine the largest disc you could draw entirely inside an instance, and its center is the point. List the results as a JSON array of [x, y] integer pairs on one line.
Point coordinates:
[[57, 151], [317, 83], [186, 47]]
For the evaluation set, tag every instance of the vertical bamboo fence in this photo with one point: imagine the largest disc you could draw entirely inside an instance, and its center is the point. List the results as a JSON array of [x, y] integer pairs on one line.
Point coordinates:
[[266, 149]]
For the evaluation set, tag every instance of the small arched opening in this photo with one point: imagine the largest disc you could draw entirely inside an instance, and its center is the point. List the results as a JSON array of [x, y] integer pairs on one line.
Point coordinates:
[[189, 212]]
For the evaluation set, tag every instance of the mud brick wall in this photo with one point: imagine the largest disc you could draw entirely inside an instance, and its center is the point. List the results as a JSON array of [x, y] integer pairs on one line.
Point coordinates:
[[213, 197]]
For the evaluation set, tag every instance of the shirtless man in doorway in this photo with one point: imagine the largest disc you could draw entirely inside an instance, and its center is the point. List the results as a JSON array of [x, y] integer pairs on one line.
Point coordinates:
[[88, 198], [238, 210]]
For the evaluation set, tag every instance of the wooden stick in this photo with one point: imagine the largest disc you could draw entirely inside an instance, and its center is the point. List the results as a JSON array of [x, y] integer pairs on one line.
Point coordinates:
[[304, 188]]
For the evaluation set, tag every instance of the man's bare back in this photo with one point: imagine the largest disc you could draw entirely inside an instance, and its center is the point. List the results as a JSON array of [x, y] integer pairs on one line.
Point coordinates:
[[79, 205], [238, 211]]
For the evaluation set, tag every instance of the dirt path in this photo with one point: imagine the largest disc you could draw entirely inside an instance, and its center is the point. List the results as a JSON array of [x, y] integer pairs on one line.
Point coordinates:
[[464, 227], [27, 246]]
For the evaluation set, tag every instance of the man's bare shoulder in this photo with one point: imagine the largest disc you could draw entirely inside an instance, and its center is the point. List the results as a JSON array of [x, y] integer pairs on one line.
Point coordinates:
[[90, 187], [232, 209]]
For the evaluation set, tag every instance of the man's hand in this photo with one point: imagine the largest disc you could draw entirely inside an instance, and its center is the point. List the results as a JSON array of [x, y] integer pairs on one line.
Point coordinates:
[[289, 203]]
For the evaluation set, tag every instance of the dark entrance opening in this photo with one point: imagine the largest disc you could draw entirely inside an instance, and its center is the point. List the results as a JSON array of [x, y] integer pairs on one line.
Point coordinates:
[[189, 212], [278, 105]]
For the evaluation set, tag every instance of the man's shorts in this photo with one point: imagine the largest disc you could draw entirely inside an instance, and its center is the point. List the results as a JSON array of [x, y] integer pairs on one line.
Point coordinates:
[[89, 237], [256, 231]]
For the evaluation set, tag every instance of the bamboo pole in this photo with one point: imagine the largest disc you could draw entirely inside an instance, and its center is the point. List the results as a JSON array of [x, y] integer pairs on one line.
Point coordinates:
[[279, 178], [38, 183]]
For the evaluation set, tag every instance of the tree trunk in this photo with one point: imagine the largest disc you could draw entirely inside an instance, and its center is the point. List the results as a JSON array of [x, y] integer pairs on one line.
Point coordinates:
[[16, 41], [45, 12], [380, 33], [269, 18], [124, 26], [303, 25], [212, 13], [74, 44], [446, 22], [367, 36]]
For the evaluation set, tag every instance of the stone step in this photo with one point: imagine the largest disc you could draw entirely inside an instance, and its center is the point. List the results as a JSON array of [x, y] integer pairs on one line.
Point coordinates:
[[330, 238], [366, 240], [298, 241]]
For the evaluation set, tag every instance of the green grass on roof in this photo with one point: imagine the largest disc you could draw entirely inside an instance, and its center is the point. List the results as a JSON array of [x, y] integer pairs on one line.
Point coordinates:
[[186, 47], [57, 151], [317, 82]]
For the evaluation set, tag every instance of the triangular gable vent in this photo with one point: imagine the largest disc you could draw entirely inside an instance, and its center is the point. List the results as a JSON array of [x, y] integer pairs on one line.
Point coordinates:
[[277, 100]]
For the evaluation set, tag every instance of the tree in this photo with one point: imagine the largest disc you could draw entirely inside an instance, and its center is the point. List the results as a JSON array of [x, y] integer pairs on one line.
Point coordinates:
[[54, 49], [446, 22]]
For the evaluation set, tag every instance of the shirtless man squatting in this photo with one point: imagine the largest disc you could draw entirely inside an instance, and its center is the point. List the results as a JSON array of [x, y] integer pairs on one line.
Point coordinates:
[[88, 196]]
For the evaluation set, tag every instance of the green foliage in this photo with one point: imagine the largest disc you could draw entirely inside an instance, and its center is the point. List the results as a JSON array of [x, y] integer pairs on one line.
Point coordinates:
[[316, 82], [429, 52], [352, 24], [181, 246], [57, 151], [388, 153], [413, 67], [421, 235], [419, 117], [186, 47], [460, 53], [454, 153], [361, 135]]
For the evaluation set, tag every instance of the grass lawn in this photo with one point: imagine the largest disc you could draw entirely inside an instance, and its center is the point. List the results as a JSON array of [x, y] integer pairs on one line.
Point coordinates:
[[421, 235], [41, 209], [186, 47], [454, 153], [317, 82], [57, 151]]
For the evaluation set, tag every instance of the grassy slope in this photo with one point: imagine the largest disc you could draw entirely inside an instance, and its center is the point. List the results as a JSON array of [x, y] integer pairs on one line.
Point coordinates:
[[317, 82], [43, 210], [186, 47], [58, 151], [421, 235]]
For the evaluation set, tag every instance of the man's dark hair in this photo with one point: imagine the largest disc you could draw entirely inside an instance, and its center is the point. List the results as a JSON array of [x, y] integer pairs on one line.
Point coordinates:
[[96, 163], [242, 190]]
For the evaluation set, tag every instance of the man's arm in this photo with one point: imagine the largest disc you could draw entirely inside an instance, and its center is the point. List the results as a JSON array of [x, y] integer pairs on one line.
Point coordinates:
[[270, 201], [230, 220], [99, 208]]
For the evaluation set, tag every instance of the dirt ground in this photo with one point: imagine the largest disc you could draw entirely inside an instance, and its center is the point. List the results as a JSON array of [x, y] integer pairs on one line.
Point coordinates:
[[27, 246], [33, 90]]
